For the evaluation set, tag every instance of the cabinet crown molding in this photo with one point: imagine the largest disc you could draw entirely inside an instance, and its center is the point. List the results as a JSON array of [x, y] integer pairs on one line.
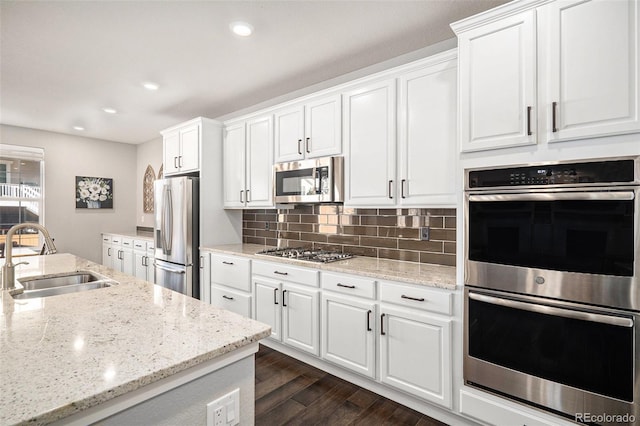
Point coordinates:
[[495, 14]]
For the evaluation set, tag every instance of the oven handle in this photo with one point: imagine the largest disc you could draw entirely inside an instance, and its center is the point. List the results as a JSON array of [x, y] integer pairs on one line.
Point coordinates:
[[546, 196], [543, 309]]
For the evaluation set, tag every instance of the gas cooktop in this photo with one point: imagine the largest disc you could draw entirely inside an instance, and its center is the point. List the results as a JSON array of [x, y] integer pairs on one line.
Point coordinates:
[[301, 253]]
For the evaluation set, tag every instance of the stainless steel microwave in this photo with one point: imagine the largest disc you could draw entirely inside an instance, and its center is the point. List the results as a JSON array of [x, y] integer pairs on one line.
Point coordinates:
[[320, 180]]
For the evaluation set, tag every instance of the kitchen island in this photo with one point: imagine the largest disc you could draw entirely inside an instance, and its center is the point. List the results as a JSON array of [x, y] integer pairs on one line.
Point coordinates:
[[130, 353]]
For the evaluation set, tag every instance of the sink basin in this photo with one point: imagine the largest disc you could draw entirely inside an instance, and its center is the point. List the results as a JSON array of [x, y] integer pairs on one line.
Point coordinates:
[[70, 282]]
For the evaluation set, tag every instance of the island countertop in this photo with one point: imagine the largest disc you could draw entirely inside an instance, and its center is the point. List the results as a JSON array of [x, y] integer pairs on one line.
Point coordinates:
[[63, 354]]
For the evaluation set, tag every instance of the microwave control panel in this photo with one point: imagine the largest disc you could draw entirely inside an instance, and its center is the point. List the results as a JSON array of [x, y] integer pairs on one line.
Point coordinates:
[[614, 171]]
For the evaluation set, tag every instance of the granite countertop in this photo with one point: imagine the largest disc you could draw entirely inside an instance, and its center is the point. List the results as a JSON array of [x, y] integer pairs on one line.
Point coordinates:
[[66, 353], [382, 269]]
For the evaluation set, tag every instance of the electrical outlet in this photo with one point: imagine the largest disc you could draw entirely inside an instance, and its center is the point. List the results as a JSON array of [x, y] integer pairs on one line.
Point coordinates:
[[224, 411], [424, 233], [266, 226]]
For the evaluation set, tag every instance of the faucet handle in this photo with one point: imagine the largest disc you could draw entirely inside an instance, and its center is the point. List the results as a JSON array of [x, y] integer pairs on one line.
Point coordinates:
[[20, 263]]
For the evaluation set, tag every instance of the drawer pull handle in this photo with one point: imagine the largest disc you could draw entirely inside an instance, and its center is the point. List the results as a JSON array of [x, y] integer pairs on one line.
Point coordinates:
[[227, 297], [275, 296], [284, 305], [421, 299], [382, 333], [554, 119], [369, 319], [227, 263], [345, 285], [280, 273]]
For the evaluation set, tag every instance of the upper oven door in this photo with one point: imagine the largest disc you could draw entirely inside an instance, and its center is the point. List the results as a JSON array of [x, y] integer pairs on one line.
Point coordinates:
[[544, 239]]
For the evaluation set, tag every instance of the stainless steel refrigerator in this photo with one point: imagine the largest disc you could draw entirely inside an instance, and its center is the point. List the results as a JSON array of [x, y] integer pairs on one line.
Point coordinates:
[[176, 234]]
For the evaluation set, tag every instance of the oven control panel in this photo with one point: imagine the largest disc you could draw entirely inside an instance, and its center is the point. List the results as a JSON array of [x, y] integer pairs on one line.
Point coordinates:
[[614, 171]]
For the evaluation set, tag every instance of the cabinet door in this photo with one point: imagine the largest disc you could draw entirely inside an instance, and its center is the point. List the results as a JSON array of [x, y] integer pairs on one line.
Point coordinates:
[[415, 353], [301, 318], [140, 265], [150, 269], [322, 127], [205, 276], [370, 142], [234, 165], [171, 153], [189, 160], [498, 83], [348, 330], [427, 130], [289, 134], [128, 261], [593, 68], [259, 162], [267, 305], [107, 255]]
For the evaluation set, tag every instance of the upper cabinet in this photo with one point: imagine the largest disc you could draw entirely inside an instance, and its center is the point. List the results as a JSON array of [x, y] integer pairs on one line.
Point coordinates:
[[248, 163], [370, 144], [498, 83], [563, 70], [181, 147], [418, 167], [427, 151], [591, 54], [308, 130]]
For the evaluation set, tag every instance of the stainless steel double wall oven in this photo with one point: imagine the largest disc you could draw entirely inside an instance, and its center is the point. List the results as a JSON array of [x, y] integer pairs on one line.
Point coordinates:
[[552, 290]]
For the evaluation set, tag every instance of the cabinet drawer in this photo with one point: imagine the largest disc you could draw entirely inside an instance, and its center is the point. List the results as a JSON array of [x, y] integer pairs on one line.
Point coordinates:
[[231, 271], [106, 238], [231, 300], [140, 245], [116, 239], [427, 299], [287, 273], [127, 242], [348, 284]]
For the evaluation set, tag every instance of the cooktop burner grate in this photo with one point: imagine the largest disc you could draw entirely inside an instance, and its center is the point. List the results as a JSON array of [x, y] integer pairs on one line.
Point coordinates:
[[301, 253]]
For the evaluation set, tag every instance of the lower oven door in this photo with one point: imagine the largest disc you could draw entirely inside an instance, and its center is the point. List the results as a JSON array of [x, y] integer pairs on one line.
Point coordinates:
[[577, 360]]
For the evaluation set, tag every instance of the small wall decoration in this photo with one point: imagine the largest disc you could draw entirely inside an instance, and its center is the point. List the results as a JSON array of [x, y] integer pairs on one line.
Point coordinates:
[[161, 172], [94, 192], [147, 189]]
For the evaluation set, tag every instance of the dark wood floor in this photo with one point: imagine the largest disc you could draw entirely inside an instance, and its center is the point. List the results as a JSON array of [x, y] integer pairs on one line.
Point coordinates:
[[290, 392]]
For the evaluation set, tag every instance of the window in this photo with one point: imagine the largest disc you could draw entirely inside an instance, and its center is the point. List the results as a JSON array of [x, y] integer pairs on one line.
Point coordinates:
[[21, 195]]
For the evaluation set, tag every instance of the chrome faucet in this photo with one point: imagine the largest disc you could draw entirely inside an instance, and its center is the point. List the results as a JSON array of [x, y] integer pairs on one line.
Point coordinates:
[[8, 270]]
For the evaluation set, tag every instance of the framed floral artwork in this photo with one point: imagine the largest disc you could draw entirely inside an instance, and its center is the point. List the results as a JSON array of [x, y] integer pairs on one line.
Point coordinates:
[[94, 192]]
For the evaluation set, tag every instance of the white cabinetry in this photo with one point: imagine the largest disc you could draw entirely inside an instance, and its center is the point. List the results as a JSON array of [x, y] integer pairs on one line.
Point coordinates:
[[427, 123], [287, 298], [348, 325], [181, 148], [230, 283], [108, 252], [415, 345], [126, 256], [562, 71], [143, 259], [308, 130], [369, 118], [248, 163]]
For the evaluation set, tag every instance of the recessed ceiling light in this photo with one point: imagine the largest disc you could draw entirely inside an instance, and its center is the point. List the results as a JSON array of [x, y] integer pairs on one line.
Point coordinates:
[[109, 110], [241, 28], [78, 128], [150, 85]]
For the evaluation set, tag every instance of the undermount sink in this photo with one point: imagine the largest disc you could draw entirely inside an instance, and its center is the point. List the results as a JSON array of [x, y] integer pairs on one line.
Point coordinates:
[[70, 282]]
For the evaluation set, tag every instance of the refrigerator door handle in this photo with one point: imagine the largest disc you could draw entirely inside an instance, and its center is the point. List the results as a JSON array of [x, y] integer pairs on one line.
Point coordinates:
[[169, 269], [167, 220]]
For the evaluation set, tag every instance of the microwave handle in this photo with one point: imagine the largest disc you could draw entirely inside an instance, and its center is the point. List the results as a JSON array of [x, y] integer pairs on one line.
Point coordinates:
[[550, 310], [555, 196]]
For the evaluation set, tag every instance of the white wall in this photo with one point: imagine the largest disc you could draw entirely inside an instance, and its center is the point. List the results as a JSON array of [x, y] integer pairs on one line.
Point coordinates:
[[148, 153], [77, 231]]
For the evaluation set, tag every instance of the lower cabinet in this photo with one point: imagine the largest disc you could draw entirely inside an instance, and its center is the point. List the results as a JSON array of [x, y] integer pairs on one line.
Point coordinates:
[[230, 283], [142, 260], [128, 255], [287, 298]]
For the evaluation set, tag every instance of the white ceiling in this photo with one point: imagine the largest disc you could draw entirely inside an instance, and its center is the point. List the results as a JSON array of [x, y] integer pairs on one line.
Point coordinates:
[[61, 62]]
